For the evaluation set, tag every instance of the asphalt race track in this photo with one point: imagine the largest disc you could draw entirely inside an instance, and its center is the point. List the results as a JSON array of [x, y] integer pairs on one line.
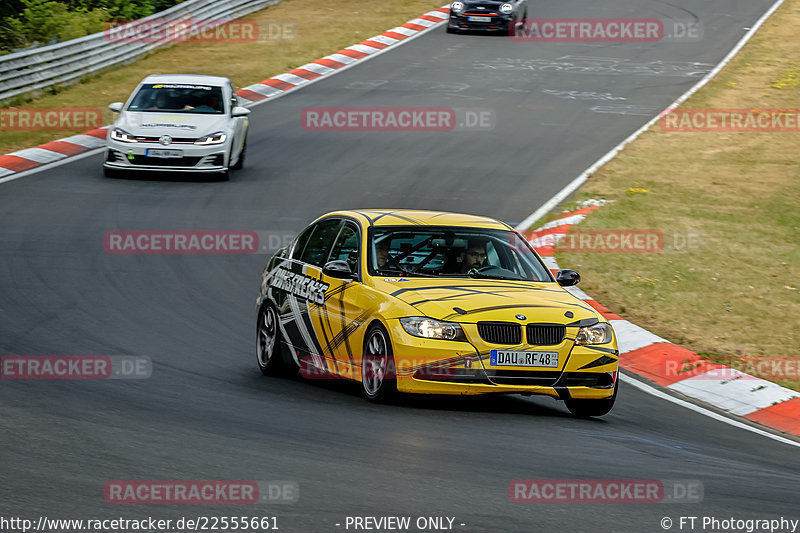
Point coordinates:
[[207, 413]]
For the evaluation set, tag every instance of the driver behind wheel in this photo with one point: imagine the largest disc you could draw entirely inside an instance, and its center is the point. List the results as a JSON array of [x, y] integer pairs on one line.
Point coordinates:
[[474, 256]]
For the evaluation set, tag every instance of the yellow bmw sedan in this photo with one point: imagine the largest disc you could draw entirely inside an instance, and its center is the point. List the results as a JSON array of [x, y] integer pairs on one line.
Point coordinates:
[[432, 303]]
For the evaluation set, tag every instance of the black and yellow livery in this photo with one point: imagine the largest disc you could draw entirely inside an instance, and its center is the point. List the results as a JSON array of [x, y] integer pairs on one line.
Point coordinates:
[[434, 303]]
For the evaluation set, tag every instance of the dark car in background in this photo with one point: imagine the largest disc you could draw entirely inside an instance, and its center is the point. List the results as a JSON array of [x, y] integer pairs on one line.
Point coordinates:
[[486, 15]]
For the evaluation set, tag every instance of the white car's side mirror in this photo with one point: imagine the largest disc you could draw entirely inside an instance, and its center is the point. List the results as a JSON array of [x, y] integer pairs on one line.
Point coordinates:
[[116, 107], [240, 112]]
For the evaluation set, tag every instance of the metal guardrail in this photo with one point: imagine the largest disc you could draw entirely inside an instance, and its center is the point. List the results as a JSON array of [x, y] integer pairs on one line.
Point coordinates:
[[65, 63]]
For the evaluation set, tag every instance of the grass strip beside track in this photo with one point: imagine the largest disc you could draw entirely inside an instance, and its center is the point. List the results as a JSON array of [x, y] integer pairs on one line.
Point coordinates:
[[734, 290], [321, 27]]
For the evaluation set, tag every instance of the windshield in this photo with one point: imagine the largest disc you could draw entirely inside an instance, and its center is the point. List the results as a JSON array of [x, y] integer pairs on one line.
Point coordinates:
[[178, 98], [454, 252]]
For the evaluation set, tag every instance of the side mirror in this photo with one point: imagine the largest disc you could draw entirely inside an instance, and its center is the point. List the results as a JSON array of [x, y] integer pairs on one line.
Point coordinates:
[[567, 278], [116, 107], [338, 269], [240, 111]]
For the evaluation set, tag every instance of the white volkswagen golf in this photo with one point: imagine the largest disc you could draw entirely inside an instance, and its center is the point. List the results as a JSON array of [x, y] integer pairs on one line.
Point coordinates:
[[181, 123]]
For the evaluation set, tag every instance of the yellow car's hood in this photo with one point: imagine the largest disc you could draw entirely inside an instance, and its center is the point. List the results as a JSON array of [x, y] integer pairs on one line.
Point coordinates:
[[473, 300]]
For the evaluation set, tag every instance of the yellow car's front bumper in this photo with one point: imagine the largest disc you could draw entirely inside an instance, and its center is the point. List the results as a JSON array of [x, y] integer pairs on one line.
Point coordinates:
[[429, 366]]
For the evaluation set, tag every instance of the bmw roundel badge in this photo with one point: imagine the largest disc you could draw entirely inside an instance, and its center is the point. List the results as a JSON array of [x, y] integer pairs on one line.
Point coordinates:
[[521, 317]]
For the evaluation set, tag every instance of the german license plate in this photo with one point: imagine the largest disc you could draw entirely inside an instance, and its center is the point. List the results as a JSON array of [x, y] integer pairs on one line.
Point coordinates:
[[479, 19], [520, 358], [163, 154]]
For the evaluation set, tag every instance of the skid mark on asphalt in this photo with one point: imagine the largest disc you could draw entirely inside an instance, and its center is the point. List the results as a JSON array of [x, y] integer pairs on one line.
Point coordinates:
[[583, 95], [595, 65], [626, 109], [409, 85]]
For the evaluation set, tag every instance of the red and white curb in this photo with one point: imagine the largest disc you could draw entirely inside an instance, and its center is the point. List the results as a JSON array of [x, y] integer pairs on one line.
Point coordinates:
[[310, 72], [51, 152], [57, 151], [652, 357]]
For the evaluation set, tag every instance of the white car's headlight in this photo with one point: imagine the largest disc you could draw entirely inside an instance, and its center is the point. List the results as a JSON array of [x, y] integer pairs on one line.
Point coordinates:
[[600, 333], [214, 138], [122, 136], [428, 328], [506, 9], [457, 7]]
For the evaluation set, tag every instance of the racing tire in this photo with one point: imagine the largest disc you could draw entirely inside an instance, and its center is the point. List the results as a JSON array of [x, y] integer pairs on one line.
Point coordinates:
[[451, 30], [240, 162], [268, 339], [591, 408], [378, 377]]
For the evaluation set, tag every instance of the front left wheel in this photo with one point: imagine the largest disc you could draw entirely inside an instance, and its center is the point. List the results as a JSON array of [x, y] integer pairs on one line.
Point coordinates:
[[378, 378], [590, 408]]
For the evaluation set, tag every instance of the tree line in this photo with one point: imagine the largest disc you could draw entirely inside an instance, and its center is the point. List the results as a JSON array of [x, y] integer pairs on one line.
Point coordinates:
[[26, 23]]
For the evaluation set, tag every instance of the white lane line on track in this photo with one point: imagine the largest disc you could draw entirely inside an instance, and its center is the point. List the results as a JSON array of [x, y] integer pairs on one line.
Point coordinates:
[[644, 387], [571, 187]]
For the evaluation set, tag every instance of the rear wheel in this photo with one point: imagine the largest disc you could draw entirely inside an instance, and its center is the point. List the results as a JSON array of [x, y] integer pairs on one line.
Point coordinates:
[[378, 379], [589, 408], [268, 351]]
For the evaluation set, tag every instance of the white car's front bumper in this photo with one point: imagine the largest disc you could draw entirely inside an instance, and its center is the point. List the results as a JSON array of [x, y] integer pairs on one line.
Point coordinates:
[[133, 156]]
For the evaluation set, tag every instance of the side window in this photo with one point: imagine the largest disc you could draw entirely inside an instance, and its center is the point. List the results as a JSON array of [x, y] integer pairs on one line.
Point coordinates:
[[346, 246], [300, 243], [492, 258], [320, 242]]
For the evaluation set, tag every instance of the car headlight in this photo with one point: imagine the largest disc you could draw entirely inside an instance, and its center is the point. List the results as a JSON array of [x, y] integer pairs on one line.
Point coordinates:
[[214, 138], [506, 9], [457, 7], [122, 136], [428, 328], [600, 333]]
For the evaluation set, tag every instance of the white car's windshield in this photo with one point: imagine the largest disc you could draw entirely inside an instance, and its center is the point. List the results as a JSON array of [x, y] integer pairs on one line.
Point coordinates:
[[178, 98], [454, 252]]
